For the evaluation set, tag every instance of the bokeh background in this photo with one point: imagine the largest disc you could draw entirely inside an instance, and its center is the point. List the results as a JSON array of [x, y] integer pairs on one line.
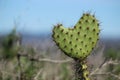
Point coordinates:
[[36, 16], [33, 20]]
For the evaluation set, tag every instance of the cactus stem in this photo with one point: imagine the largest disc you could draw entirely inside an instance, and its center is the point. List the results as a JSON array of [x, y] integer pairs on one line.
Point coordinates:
[[81, 72]]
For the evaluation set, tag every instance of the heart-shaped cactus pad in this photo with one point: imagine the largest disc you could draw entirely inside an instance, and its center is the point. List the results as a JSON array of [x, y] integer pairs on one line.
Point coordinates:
[[78, 42]]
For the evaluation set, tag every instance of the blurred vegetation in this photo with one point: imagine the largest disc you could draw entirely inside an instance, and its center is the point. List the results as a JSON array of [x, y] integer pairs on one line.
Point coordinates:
[[18, 62], [9, 46], [112, 54], [114, 68]]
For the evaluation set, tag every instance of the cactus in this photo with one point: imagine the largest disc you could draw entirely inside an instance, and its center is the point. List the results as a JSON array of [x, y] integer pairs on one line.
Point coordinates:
[[78, 42], [81, 72]]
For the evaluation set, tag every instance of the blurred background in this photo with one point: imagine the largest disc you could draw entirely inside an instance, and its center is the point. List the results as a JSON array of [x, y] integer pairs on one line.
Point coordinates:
[[29, 23], [38, 17]]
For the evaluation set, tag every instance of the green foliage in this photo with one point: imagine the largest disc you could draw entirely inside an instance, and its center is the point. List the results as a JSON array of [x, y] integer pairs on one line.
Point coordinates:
[[112, 54], [1, 76], [27, 67], [116, 69], [110, 68], [31, 51], [118, 55], [9, 46], [110, 78], [79, 41], [65, 72], [8, 78], [30, 71]]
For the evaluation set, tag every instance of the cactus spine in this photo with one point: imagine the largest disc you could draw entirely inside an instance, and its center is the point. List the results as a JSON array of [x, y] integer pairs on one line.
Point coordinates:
[[78, 42]]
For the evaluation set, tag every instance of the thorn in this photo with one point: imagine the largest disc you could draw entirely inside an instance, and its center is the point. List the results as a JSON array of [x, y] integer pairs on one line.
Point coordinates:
[[75, 27], [83, 14], [71, 35], [58, 44], [84, 35], [71, 49], [93, 15], [65, 46], [79, 22], [87, 75], [94, 30], [97, 33], [62, 30], [87, 28], [81, 41], [57, 36], [82, 17], [92, 48], [80, 27], [76, 52], [87, 14], [78, 33], [52, 35], [70, 42], [53, 32], [59, 25], [97, 39], [64, 39], [85, 45], [90, 38], [100, 30], [93, 42], [86, 21], [98, 24], [93, 20], [66, 33], [75, 46], [76, 39]]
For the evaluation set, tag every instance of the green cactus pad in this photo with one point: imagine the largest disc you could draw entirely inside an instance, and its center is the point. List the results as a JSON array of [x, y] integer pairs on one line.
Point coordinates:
[[78, 42]]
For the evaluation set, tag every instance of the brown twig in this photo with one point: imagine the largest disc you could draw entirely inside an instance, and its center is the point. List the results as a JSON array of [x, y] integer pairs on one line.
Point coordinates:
[[36, 77], [45, 60], [108, 73], [103, 65], [5, 72]]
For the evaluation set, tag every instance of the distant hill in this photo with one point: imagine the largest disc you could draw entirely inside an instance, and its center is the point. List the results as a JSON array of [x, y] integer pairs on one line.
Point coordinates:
[[108, 42]]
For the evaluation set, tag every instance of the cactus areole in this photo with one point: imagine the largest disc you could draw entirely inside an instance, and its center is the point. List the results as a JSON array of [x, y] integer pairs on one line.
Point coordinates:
[[79, 41]]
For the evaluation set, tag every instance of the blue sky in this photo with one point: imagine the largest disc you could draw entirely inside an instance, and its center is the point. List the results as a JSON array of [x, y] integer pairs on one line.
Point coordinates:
[[39, 16]]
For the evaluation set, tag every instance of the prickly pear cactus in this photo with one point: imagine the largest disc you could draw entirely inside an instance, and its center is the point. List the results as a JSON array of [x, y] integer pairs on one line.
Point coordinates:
[[79, 41]]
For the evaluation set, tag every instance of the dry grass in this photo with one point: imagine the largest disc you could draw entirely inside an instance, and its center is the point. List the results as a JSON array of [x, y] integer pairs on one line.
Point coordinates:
[[51, 63]]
